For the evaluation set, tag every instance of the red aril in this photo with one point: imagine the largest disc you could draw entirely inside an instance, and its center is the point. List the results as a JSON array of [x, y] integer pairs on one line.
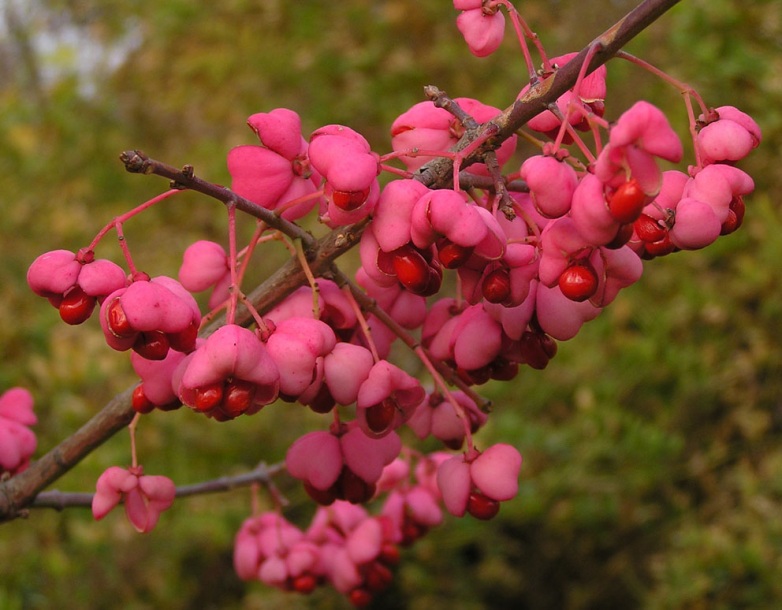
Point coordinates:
[[117, 321], [185, 340], [454, 444], [360, 598], [389, 554], [353, 488], [324, 497], [536, 349], [735, 216], [482, 507], [349, 200], [411, 269], [208, 397], [411, 530], [659, 248], [503, 370], [152, 345], [380, 417], [238, 396], [627, 201], [496, 286], [452, 255], [477, 376], [385, 262], [648, 229], [435, 280], [140, 402], [377, 577], [323, 402], [578, 282], [416, 270], [304, 583], [623, 235], [76, 306]]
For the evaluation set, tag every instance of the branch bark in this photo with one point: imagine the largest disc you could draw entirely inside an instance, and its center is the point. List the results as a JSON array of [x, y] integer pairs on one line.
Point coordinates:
[[19, 492], [547, 91], [262, 474]]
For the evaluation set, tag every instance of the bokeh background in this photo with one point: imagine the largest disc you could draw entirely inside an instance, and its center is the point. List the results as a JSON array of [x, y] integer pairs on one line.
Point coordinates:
[[652, 442]]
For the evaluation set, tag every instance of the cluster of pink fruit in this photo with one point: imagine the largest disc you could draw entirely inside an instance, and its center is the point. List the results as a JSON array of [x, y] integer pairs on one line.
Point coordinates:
[[531, 265], [17, 441], [354, 550]]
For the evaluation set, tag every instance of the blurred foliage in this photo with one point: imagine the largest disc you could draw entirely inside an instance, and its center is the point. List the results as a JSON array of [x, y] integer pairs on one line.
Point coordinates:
[[653, 462]]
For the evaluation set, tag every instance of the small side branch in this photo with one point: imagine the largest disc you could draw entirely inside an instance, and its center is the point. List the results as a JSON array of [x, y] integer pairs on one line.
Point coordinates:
[[262, 474], [137, 162], [548, 90], [17, 492]]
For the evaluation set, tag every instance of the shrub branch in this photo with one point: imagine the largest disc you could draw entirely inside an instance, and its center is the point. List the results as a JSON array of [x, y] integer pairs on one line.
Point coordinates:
[[18, 493]]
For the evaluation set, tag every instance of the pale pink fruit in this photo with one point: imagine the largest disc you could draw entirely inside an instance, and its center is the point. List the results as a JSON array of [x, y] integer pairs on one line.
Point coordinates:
[[204, 264], [482, 31], [294, 346], [493, 474], [551, 183], [145, 496], [729, 138], [279, 171], [386, 399], [426, 127], [17, 441]]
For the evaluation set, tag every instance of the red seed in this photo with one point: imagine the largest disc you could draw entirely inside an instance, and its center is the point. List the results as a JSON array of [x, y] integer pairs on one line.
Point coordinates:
[[381, 416], [323, 401], [140, 402], [208, 397], [622, 236], [117, 321], [536, 349], [389, 554], [324, 497], [184, 340], [152, 345], [304, 583], [238, 396], [411, 531], [648, 229], [360, 598], [76, 306], [435, 280], [627, 201], [377, 577], [496, 286], [735, 216], [659, 248], [353, 488], [503, 370], [349, 200], [452, 255], [482, 507], [411, 269], [578, 282]]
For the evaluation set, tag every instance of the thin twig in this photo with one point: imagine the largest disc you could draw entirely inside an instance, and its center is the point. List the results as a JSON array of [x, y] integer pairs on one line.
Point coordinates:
[[548, 90], [262, 474], [137, 162]]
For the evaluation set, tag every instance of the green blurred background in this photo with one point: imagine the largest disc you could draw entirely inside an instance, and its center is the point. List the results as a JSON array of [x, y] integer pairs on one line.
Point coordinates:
[[652, 443]]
